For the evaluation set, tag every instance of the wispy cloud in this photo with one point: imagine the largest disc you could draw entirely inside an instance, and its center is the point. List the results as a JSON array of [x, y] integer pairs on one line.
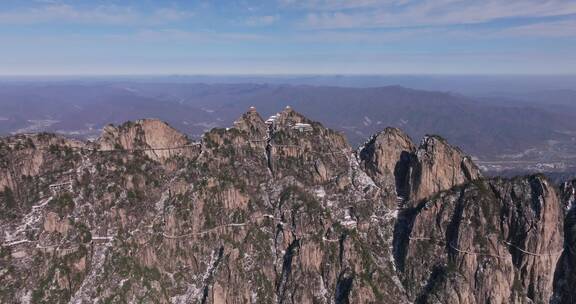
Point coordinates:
[[367, 37], [541, 30], [184, 36], [261, 20], [332, 5], [101, 15], [554, 29], [169, 15], [437, 12], [289, 35]]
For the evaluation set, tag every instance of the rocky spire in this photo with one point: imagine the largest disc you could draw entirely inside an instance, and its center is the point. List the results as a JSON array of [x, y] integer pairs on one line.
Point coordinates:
[[387, 158], [439, 166]]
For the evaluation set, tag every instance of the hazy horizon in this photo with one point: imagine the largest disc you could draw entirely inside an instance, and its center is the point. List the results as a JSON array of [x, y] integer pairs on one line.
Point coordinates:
[[478, 85]]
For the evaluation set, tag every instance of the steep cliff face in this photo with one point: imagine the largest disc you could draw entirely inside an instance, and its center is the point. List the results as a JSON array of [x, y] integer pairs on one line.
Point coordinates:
[[24, 160], [439, 166], [388, 158], [276, 211], [491, 241], [565, 277]]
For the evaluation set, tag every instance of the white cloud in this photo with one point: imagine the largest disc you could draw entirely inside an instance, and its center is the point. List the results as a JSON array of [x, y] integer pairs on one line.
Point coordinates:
[[104, 14]]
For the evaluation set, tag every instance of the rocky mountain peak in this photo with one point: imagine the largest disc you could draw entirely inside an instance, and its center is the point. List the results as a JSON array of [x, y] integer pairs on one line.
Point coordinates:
[[387, 158], [155, 138], [288, 118], [410, 173], [440, 166], [252, 123]]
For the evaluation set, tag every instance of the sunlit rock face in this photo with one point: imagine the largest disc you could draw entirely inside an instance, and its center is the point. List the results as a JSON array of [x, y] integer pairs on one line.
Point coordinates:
[[415, 173], [272, 210], [153, 137], [439, 166], [388, 158], [490, 241]]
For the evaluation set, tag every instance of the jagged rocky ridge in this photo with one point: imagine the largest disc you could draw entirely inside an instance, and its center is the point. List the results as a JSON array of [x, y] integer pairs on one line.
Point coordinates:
[[284, 212]]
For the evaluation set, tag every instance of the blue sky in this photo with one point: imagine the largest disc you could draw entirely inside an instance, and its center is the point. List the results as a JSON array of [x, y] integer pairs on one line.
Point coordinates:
[[111, 37]]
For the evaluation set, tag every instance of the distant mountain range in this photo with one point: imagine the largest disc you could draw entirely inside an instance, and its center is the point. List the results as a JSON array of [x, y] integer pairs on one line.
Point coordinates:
[[504, 127]]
